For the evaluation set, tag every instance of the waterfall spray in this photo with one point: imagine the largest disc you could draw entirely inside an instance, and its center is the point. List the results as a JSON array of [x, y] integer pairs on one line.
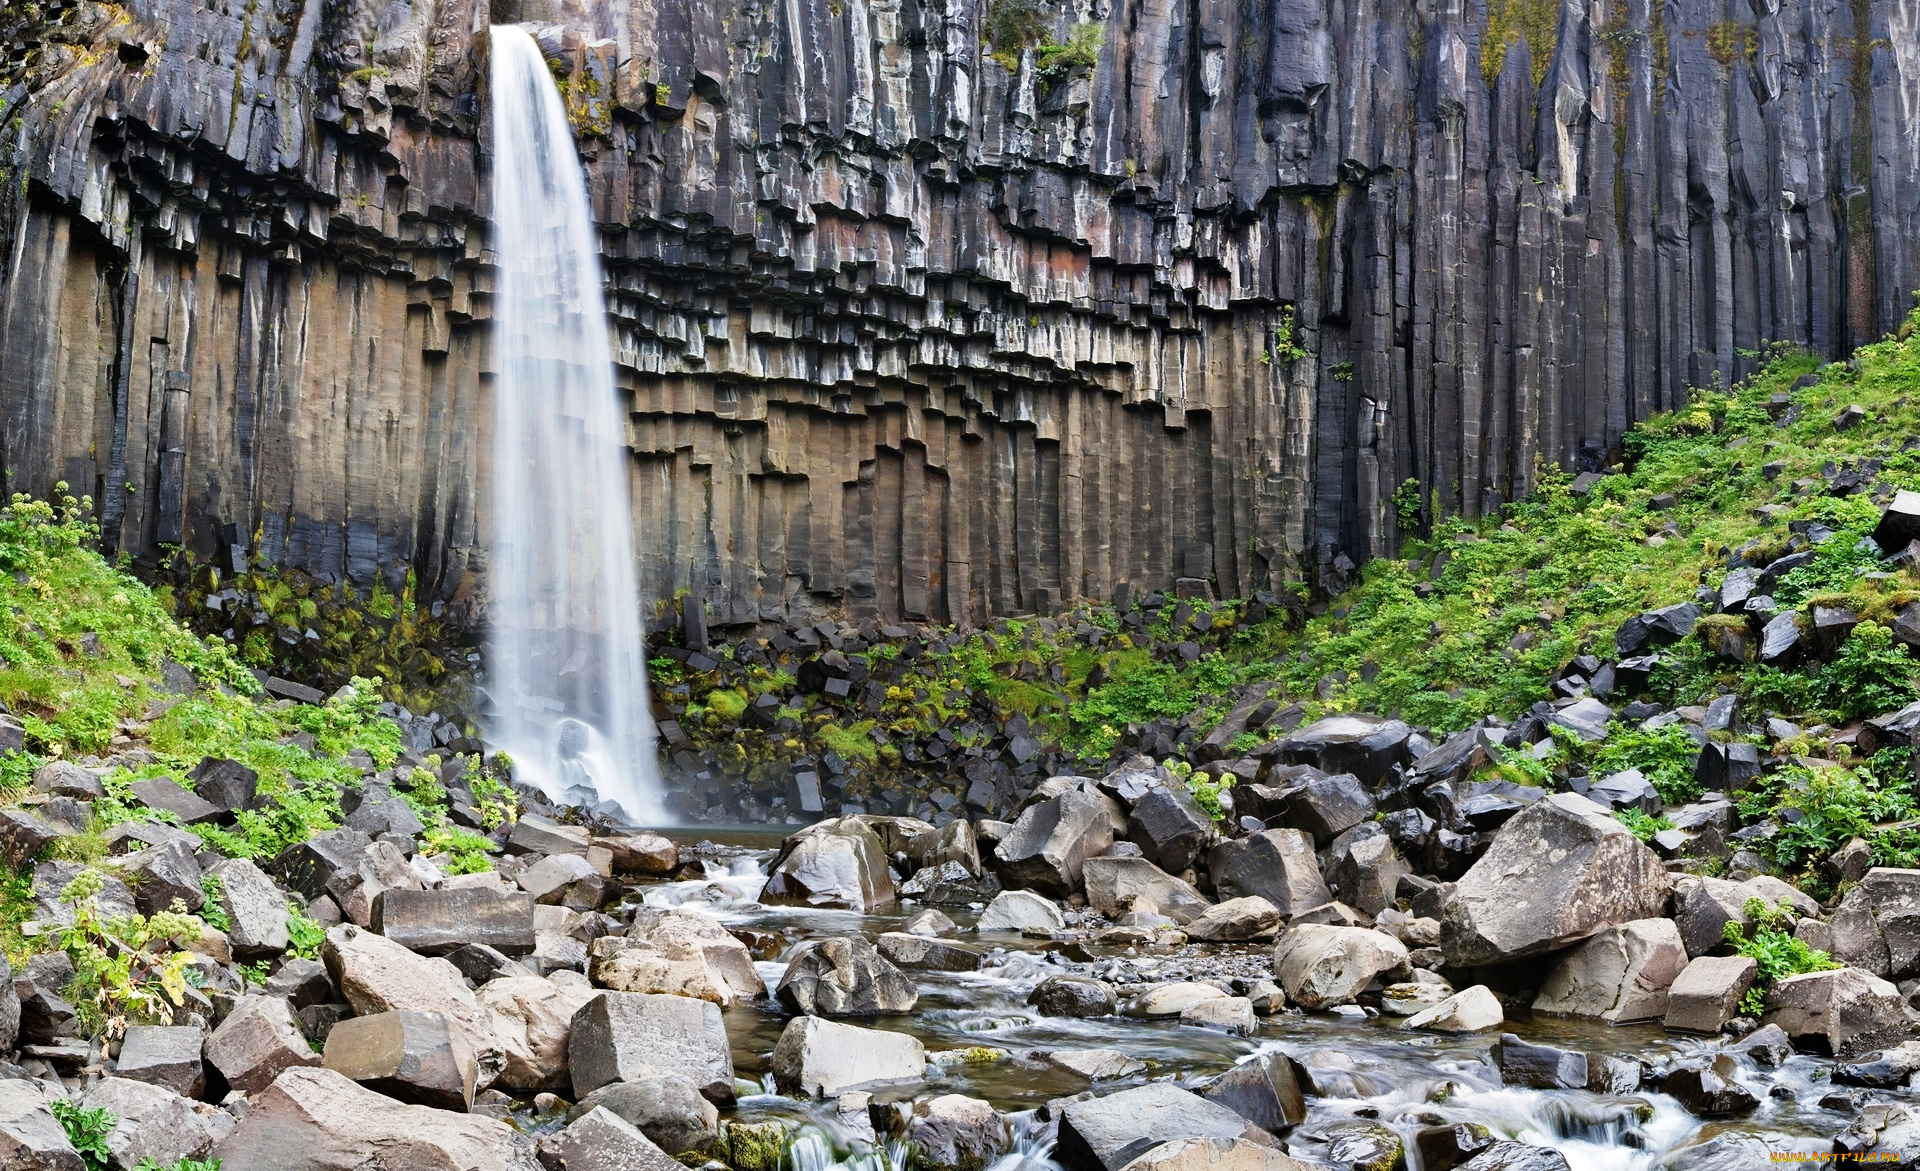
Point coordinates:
[[566, 647]]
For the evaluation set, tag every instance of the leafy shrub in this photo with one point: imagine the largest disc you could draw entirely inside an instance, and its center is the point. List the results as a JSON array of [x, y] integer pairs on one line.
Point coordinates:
[[1642, 825], [147, 1164], [1819, 809], [305, 934], [1770, 944], [87, 1130], [1869, 676], [1665, 756], [125, 971], [1206, 790]]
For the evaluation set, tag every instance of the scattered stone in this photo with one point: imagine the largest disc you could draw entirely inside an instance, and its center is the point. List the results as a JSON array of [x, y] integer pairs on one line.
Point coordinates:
[[956, 1133], [930, 923], [835, 863], [1322, 967], [1266, 1090], [641, 853], [31, 1138], [1365, 1145], [1216, 1154], [60, 779], [619, 1035], [256, 908], [1706, 994], [166, 796], [1073, 996], [163, 875], [601, 1140], [1540, 1067], [1170, 827], [1511, 1156], [1442, 1148], [1709, 1089], [417, 1057], [532, 1017], [823, 1058], [1277, 865], [164, 1055], [1119, 886], [922, 953], [665, 1107], [335, 1124], [1248, 917], [1364, 868], [1225, 1014], [1841, 1013], [1471, 1011], [257, 1042], [1023, 911], [374, 974], [681, 953], [436, 922], [1621, 974], [153, 1126], [1052, 840], [844, 977], [1365, 746]]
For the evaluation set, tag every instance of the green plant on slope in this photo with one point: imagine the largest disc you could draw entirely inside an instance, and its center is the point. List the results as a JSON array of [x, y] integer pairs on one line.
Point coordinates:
[[1769, 942], [1206, 790], [87, 1130], [126, 971], [305, 934], [1642, 825], [147, 1164], [1870, 675], [1665, 756]]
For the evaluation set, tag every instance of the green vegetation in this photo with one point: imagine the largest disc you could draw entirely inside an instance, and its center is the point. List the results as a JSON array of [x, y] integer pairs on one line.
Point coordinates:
[[1012, 27], [1770, 943], [1510, 21], [87, 1130], [1642, 825], [1664, 756], [1820, 807]]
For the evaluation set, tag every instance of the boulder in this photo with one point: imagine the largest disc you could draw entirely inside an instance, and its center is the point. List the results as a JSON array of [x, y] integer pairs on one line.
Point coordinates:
[[1170, 827], [113, 901], [1277, 865], [1266, 1090], [1216, 1154], [1442, 1148], [1560, 871], [822, 1058], [844, 977], [416, 1057], [921, 953], [318, 1120], [835, 863], [1840, 1013], [1709, 1088], [1781, 643], [164, 1055], [437, 922], [951, 844], [1170, 1000], [1654, 628], [1117, 886], [1471, 1011], [641, 853], [601, 1140], [1702, 907], [31, 1138], [152, 1123], [1707, 992], [1512, 1156], [1249, 917], [1621, 974], [564, 880], [1327, 805], [532, 1017], [1364, 869], [665, 1107], [226, 784], [1539, 1067], [374, 974], [163, 875], [956, 1133], [257, 1042], [931, 923], [1877, 925], [1223, 1014], [1365, 746], [619, 1035], [534, 834], [22, 837], [256, 908], [312, 866], [681, 953], [1107, 1133], [1023, 911], [1073, 996], [1365, 1145], [1095, 1065], [1052, 840], [58, 778], [165, 795], [1726, 767], [1322, 967]]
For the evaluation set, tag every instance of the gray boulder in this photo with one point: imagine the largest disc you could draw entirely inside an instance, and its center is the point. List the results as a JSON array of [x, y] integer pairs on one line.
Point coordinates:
[[601, 1140], [61, 779], [1322, 966], [1250, 917], [1022, 910], [154, 1123], [836, 863], [1277, 865], [1560, 871], [1707, 993], [822, 1058], [1052, 840], [1364, 869], [617, 1036], [956, 1133], [1621, 974], [256, 908], [318, 1119], [436, 922], [257, 1042], [1170, 827], [1840, 1013], [1073, 996], [164, 1055], [665, 1107], [1107, 1133], [1366, 746], [1117, 886], [1267, 1090], [923, 953], [419, 1057], [844, 977], [31, 1138], [1877, 925]]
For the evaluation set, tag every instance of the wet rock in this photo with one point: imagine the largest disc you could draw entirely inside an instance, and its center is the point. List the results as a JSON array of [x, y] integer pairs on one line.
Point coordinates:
[[823, 1058], [844, 977], [436, 922], [617, 1036], [1249, 917], [564, 880], [1107, 1133], [1413, 997], [919, 952], [949, 883], [956, 1133], [534, 834], [1621, 974], [1170, 1000], [1117, 886], [1322, 967], [1215, 1154], [1886, 1070], [1442, 1148], [930, 923], [951, 844], [1540, 1067], [1095, 1065], [153, 1125], [1266, 1090], [1052, 841], [1562, 870], [1891, 1131], [1073, 996], [1365, 746], [837, 863], [601, 1140], [1709, 1089], [31, 1138], [665, 1107], [641, 853], [1277, 865], [335, 1124], [1702, 907], [375, 974], [164, 1055], [1471, 1011], [1841, 1013], [1364, 869], [1223, 1014], [1767, 1046], [1170, 827], [418, 1057], [532, 1017], [1024, 911], [257, 1042], [1706, 995], [680, 953], [1511, 1156]]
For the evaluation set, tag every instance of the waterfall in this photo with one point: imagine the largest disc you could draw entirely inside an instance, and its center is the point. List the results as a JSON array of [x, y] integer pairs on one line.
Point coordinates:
[[567, 651]]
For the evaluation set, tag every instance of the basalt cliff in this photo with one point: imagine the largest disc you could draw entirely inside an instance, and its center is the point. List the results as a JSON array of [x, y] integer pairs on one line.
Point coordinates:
[[931, 308]]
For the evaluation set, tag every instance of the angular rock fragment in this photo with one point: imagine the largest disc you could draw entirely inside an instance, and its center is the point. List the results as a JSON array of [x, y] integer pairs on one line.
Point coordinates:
[[436, 922], [418, 1057], [823, 1058], [337, 1125], [1053, 839], [620, 1035], [257, 1042], [1323, 967], [838, 863], [1620, 974], [1107, 1133], [844, 977]]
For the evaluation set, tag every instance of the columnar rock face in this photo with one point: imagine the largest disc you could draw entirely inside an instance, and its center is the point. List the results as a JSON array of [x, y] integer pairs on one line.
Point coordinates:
[[914, 328]]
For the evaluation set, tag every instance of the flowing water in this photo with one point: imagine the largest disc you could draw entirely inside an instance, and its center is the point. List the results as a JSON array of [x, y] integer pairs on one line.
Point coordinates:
[[1366, 1068], [567, 654]]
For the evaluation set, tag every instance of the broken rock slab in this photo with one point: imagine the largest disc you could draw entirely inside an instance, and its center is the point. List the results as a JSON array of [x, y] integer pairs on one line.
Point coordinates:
[[822, 1058], [620, 1035], [419, 1057], [1107, 1133]]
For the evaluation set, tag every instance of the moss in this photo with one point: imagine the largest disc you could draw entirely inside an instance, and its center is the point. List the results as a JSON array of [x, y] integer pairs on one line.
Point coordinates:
[[752, 1146], [854, 743], [1510, 21], [728, 704], [1729, 41]]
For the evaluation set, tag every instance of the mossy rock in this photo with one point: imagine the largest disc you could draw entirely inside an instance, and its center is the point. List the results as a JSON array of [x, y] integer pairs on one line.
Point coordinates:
[[752, 1146]]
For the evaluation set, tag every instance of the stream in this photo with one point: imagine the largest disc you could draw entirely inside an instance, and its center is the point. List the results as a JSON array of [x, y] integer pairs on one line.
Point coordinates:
[[1364, 1066]]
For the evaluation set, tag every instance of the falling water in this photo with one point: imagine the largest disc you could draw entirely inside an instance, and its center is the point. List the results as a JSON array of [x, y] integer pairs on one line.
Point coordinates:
[[568, 656]]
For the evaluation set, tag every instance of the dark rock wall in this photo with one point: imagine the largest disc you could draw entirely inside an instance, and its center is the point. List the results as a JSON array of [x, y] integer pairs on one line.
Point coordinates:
[[907, 332]]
